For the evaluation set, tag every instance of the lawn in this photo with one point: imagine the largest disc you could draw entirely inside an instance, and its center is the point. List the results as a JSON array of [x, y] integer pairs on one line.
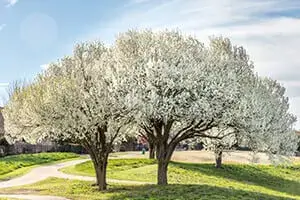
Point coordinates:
[[82, 190], [240, 179], [115, 166], [12, 166], [187, 181]]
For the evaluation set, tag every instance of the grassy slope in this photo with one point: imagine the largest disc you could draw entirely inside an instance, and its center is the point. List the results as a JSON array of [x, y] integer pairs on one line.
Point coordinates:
[[115, 166], [12, 166], [269, 180], [80, 190]]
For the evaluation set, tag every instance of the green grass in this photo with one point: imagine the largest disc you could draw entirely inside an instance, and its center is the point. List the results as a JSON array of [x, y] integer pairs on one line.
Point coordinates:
[[115, 166], [187, 181], [268, 180], [12, 166], [80, 190]]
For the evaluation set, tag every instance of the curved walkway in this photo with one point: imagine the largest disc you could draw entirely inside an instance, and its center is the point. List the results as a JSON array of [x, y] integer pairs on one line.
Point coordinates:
[[39, 173], [44, 172]]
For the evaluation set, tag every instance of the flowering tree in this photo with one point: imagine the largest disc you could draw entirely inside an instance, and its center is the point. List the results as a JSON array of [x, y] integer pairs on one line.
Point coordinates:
[[264, 120], [181, 88], [75, 100], [225, 139]]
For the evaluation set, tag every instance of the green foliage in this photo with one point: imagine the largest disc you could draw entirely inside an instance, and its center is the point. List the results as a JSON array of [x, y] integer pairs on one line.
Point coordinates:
[[21, 162]]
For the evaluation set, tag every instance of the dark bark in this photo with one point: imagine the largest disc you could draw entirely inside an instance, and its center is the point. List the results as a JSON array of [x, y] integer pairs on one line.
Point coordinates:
[[151, 150], [99, 149], [100, 166], [165, 144], [101, 175], [164, 153], [162, 172], [218, 157], [149, 135]]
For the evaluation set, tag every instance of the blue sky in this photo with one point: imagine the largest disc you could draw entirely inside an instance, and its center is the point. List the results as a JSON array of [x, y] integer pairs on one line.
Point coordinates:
[[35, 32]]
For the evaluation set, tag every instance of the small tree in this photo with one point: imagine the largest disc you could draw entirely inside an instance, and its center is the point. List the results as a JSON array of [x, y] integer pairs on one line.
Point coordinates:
[[264, 119], [76, 100], [225, 139]]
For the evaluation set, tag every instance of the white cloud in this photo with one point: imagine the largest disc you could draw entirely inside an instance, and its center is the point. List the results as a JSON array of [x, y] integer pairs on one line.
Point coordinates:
[[266, 29], [10, 3], [4, 84], [138, 1]]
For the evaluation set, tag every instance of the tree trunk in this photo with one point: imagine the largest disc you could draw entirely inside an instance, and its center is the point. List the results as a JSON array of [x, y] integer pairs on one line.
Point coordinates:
[[99, 148], [164, 153], [218, 156], [151, 150], [164, 149], [101, 175], [100, 165], [162, 172]]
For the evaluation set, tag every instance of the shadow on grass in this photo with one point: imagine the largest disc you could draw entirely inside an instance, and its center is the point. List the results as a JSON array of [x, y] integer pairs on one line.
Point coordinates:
[[186, 192], [258, 175], [78, 190]]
